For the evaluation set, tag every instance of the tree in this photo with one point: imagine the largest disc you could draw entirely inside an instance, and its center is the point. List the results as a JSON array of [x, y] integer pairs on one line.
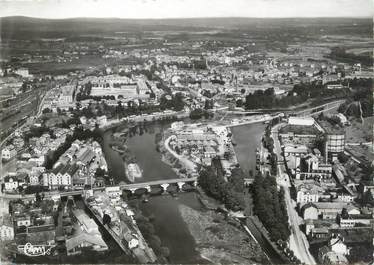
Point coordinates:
[[211, 180], [165, 252], [38, 222], [239, 103], [227, 155], [100, 173], [47, 206], [237, 179], [38, 198], [269, 206], [106, 219], [178, 103], [70, 203], [46, 110], [343, 108], [20, 189], [24, 87], [360, 253], [367, 198], [196, 114]]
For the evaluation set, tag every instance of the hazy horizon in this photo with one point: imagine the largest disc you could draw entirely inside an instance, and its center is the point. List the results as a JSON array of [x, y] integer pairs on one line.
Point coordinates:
[[185, 9], [181, 18]]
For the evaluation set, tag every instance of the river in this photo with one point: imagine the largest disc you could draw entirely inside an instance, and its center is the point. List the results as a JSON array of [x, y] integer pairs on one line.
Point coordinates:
[[168, 223], [247, 139]]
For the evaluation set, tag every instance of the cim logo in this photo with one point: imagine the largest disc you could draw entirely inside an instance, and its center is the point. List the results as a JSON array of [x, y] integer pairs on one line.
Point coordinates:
[[34, 251]]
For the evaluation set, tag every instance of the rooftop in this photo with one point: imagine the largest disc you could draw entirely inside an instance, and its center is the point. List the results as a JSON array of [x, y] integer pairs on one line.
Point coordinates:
[[84, 237], [355, 234], [65, 168], [85, 220], [299, 129], [336, 258], [293, 148], [6, 220]]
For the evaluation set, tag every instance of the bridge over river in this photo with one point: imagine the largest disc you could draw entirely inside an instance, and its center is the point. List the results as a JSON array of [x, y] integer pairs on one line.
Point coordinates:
[[164, 184]]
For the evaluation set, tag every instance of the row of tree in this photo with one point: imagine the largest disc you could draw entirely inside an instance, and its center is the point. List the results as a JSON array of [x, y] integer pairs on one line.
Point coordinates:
[[340, 54], [81, 97], [175, 103], [270, 207], [198, 113], [37, 132], [212, 181], [266, 99]]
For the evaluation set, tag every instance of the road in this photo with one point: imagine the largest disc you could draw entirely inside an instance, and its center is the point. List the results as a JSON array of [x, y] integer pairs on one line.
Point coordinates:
[[298, 241]]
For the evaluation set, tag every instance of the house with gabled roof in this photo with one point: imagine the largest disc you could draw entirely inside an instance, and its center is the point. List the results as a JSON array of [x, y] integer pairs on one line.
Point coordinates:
[[61, 175], [78, 243]]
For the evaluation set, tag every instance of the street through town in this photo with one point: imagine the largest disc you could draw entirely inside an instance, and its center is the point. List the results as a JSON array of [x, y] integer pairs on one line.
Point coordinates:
[[298, 241]]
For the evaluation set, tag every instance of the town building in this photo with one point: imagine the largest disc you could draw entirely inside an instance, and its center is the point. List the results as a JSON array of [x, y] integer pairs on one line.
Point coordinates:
[[24, 72], [41, 234], [354, 220], [8, 153], [293, 154], [312, 166], [329, 257], [12, 182], [86, 223], [6, 228], [301, 121], [84, 241], [60, 176], [22, 220], [323, 210], [309, 192]]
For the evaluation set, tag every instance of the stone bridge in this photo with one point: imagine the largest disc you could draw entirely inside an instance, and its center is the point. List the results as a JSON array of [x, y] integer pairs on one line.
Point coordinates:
[[164, 184]]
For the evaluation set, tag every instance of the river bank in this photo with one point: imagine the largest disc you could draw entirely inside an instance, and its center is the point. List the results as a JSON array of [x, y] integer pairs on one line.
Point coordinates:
[[221, 240]]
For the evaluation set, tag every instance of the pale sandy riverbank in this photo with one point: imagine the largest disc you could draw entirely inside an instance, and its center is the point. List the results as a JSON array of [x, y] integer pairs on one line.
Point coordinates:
[[219, 241]]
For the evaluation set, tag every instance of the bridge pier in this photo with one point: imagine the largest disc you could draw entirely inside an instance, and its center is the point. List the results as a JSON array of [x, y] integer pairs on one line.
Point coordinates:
[[180, 185], [164, 187]]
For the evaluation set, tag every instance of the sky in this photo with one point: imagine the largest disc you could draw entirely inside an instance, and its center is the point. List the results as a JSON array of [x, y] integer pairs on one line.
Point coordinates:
[[186, 8]]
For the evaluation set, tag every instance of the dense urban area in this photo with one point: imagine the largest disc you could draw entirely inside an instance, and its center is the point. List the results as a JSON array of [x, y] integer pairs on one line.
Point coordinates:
[[245, 141]]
